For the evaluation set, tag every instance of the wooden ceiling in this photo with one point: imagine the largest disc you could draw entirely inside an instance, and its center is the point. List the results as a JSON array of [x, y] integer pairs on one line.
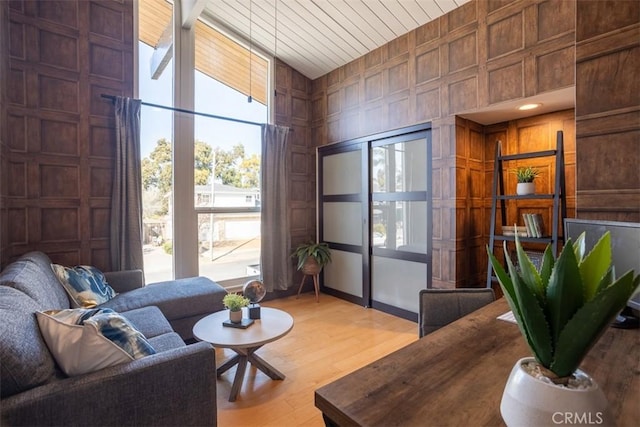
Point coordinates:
[[216, 55], [318, 36], [312, 36]]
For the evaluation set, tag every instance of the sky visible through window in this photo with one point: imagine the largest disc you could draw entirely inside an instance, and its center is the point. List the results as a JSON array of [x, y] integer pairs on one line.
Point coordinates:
[[212, 97]]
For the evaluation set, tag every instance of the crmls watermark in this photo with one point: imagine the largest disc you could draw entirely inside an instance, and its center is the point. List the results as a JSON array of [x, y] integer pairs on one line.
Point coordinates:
[[570, 418]]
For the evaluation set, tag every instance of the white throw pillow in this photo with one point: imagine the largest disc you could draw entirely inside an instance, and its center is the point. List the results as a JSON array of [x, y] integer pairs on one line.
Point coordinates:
[[86, 340]]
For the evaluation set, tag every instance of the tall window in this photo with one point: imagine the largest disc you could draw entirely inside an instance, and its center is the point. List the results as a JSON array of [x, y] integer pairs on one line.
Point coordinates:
[[155, 82], [226, 205]]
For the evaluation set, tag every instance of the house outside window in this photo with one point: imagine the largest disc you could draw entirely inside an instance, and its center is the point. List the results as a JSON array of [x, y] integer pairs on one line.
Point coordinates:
[[226, 208]]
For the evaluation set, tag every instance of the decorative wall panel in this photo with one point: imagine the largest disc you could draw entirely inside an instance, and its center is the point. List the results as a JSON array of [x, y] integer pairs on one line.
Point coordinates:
[[59, 11], [59, 137], [555, 69], [59, 224], [16, 132], [58, 94], [58, 50], [59, 181], [505, 36], [108, 22], [18, 230], [463, 52], [17, 178], [506, 83], [16, 40]]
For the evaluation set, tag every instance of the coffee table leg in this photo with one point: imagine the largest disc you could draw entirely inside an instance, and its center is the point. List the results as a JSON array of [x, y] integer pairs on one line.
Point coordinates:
[[227, 365], [265, 367], [237, 381]]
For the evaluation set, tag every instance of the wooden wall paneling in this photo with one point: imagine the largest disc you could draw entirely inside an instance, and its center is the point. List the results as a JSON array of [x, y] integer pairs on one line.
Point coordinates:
[[63, 55], [608, 131], [301, 105]]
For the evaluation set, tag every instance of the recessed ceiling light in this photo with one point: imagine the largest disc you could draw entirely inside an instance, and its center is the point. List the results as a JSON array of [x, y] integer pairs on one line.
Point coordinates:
[[528, 106]]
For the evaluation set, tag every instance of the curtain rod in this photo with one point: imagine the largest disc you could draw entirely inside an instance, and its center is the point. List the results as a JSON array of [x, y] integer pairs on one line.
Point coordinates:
[[182, 110]]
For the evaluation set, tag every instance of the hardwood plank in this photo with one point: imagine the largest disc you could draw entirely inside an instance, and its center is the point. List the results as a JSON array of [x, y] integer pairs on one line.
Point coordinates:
[[329, 339]]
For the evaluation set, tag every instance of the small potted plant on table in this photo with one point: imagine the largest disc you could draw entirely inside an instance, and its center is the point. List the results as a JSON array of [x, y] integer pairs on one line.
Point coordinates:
[[562, 309], [235, 302], [526, 176]]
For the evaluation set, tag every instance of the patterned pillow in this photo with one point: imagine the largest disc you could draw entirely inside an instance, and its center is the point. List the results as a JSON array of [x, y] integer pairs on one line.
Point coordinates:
[[86, 285], [85, 340]]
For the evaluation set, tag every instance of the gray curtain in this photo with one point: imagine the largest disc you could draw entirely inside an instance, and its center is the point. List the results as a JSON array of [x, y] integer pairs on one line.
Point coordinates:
[[126, 195], [276, 246]]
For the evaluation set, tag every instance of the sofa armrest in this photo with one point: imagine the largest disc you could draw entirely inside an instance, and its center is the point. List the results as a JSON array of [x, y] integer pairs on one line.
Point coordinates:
[[174, 387], [127, 280]]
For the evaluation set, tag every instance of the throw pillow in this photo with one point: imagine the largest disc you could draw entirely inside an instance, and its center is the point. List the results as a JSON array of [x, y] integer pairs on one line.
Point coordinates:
[[86, 285], [85, 340]]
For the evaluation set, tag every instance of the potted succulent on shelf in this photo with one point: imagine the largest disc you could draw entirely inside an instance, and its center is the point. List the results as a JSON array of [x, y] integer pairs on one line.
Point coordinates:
[[526, 176], [561, 309], [235, 302], [312, 257]]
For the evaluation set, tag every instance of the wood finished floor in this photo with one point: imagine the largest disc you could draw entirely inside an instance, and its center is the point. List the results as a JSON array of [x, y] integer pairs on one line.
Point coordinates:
[[329, 339]]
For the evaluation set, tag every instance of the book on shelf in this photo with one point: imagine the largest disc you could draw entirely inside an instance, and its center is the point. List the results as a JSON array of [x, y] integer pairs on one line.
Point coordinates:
[[534, 224], [512, 230]]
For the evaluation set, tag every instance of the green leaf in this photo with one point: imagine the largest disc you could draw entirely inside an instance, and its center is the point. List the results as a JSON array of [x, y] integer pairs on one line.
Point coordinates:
[[529, 274], [533, 317], [547, 267], [595, 265], [589, 323], [509, 293], [579, 246], [564, 293]]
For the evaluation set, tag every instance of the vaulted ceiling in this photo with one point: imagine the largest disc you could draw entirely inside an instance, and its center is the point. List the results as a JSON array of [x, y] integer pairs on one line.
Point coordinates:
[[318, 36]]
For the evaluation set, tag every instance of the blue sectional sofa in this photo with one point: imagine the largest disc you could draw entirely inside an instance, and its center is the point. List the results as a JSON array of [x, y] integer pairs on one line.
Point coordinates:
[[175, 386]]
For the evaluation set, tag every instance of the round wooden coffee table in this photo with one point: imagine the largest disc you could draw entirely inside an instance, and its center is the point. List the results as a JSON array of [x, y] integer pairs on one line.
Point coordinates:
[[272, 325]]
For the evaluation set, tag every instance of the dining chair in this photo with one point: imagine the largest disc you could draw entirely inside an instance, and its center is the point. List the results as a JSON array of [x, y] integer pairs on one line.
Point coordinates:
[[439, 307]]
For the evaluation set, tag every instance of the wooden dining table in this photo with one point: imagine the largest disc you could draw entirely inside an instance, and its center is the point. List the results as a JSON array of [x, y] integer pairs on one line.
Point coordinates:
[[455, 376]]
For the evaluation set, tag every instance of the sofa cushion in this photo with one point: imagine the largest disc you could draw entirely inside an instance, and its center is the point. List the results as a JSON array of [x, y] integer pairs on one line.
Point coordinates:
[[176, 299], [85, 285], [32, 274], [166, 342], [148, 320], [25, 358], [86, 340]]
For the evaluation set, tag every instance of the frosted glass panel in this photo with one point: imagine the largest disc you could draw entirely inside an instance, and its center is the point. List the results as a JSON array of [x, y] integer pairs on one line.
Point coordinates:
[[344, 273], [399, 167], [397, 282], [342, 222], [341, 173]]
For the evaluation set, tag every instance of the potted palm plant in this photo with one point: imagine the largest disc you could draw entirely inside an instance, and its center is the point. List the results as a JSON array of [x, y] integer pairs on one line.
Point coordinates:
[[526, 176], [235, 302], [312, 257], [561, 309]]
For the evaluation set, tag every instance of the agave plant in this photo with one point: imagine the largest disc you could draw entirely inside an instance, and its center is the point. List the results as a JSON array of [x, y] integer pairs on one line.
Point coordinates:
[[564, 308]]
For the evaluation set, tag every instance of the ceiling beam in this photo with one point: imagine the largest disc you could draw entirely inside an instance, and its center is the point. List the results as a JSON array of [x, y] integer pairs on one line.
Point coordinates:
[[191, 10]]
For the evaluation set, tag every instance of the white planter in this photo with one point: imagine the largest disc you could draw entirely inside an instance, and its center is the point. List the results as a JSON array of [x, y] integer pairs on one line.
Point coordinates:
[[528, 401], [524, 188]]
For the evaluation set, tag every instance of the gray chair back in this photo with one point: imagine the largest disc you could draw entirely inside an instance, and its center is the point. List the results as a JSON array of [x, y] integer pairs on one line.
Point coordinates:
[[439, 307]]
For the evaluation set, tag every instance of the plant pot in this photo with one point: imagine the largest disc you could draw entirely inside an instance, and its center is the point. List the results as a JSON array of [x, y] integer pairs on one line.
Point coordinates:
[[311, 267], [529, 401], [235, 316], [524, 188]]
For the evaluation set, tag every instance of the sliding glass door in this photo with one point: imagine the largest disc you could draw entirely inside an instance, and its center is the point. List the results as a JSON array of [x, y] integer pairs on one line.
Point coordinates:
[[374, 210], [343, 220], [400, 221]]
